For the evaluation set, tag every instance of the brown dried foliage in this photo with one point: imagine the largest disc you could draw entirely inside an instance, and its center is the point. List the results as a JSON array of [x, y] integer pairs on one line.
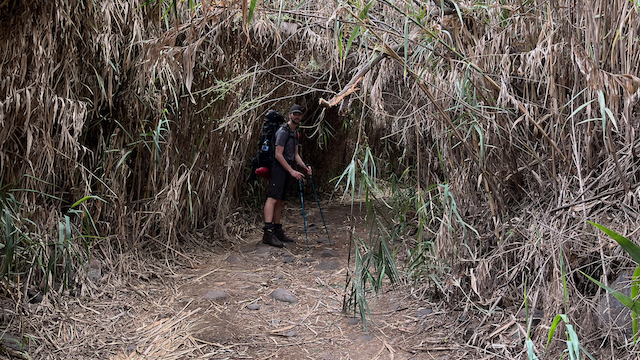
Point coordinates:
[[505, 103], [522, 142]]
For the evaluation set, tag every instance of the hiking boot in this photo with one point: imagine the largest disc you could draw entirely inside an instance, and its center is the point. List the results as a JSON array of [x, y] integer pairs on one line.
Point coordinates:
[[280, 235], [269, 239]]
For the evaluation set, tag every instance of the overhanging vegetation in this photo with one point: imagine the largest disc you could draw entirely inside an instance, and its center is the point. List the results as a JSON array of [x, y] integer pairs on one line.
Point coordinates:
[[129, 125]]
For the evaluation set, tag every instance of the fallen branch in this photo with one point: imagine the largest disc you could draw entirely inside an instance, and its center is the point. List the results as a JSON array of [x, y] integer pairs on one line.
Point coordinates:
[[351, 87]]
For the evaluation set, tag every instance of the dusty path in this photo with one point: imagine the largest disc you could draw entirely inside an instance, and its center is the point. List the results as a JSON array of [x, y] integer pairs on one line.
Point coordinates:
[[167, 312], [313, 327]]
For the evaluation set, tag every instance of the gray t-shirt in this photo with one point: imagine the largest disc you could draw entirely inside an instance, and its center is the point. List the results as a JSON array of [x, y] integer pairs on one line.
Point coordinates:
[[288, 139]]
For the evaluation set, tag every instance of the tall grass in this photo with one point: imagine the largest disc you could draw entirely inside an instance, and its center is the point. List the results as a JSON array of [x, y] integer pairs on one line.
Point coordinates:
[[398, 219], [630, 302], [32, 259]]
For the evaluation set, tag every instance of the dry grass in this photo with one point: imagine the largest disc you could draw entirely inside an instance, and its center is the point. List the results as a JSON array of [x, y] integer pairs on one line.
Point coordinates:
[[527, 111], [161, 312], [537, 135]]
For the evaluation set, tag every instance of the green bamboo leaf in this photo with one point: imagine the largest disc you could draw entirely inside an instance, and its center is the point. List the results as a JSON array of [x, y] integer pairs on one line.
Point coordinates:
[[634, 295], [85, 199], [101, 83], [7, 263], [252, 8], [624, 299], [579, 108], [572, 99], [603, 115], [280, 13], [587, 353], [613, 119], [458, 12], [339, 38], [632, 249], [573, 345], [67, 228], [531, 355], [354, 34], [124, 157], [364, 14], [588, 121], [554, 325], [564, 279]]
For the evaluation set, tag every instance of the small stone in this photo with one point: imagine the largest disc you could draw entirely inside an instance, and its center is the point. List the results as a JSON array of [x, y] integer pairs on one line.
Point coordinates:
[[234, 258], [291, 333], [353, 321], [463, 317], [34, 296], [394, 307], [94, 271], [263, 250], [423, 312], [279, 276], [253, 306], [323, 240], [328, 253], [283, 295], [11, 342], [535, 314], [468, 333], [307, 260], [615, 315], [216, 295], [288, 259], [328, 265]]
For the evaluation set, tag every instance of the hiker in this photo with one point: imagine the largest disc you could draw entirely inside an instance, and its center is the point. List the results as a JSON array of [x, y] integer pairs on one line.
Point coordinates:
[[283, 172]]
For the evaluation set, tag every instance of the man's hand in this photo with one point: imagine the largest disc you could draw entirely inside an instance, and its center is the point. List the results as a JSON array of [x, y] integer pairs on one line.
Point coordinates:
[[297, 175], [309, 172]]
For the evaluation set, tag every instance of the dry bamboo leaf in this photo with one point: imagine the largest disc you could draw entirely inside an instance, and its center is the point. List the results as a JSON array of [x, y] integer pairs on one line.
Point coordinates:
[[629, 82], [282, 329]]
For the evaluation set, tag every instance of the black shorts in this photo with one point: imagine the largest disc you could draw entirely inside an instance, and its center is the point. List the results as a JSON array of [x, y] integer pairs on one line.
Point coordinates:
[[279, 183]]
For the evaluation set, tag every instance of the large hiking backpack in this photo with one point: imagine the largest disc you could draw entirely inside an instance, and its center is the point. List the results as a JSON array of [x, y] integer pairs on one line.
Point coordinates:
[[263, 161]]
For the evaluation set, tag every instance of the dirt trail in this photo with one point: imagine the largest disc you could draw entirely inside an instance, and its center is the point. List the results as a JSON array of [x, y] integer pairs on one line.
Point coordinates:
[[314, 326], [166, 312]]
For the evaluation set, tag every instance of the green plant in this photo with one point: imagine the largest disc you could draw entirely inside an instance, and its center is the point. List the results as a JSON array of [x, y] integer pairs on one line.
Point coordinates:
[[397, 217], [12, 251], [531, 355], [374, 259], [630, 302], [574, 348], [573, 343], [43, 260], [253, 194]]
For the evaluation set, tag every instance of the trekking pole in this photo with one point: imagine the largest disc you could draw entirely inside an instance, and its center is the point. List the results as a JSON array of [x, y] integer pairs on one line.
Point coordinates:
[[321, 214], [304, 219]]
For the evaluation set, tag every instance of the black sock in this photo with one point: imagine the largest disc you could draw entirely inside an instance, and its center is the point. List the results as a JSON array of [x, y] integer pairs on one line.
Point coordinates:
[[268, 226], [277, 227]]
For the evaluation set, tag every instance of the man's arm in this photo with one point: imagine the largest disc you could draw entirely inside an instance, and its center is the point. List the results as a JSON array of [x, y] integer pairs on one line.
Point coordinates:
[[299, 161], [285, 165]]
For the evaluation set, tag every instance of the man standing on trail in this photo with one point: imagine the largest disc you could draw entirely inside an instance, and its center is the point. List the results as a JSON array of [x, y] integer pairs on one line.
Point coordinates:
[[282, 174]]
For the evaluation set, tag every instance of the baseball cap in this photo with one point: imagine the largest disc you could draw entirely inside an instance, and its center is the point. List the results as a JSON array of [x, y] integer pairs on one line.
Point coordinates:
[[296, 109]]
